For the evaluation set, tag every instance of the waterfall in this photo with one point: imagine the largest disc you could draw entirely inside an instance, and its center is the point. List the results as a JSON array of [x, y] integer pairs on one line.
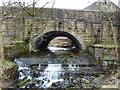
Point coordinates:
[[52, 74]]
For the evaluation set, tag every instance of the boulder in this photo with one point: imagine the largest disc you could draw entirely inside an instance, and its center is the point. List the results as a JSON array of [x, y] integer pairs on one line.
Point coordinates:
[[8, 72]]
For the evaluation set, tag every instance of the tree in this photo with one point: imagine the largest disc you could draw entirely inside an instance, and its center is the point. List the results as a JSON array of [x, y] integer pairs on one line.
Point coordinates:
[[1, 44], [26, 13]]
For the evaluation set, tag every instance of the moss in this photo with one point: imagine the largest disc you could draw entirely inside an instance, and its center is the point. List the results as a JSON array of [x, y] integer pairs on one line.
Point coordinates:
[[23, 83], [110, 86], [15, 50], [5, 14], [59, 59], [8, 71], [109, 57], [105, 45], [24, 47], [48, 55], [8, 47]]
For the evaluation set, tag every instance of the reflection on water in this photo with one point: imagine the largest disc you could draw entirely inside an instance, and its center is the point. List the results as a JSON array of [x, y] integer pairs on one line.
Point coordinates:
[[56, 69]]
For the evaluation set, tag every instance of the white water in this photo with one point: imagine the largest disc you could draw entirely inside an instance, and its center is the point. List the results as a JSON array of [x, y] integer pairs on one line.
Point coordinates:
[[53, 73], [60, 48]]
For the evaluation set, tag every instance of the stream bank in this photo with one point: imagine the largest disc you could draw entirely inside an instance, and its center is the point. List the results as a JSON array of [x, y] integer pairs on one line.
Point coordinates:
[[8, 69], [20, 48], [8, 72]]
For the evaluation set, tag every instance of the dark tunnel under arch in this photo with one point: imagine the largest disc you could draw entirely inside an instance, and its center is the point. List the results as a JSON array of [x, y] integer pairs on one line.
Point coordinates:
[[43, 41]]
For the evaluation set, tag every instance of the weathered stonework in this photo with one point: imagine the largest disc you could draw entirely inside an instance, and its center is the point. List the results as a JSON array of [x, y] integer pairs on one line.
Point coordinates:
[[86, 23], [91, 24]]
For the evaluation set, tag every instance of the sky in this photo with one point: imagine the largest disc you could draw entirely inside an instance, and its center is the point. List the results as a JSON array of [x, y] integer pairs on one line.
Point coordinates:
[[68, 4]]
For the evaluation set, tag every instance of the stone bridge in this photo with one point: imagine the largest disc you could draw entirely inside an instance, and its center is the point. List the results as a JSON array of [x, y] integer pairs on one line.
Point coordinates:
[[83, 32], [42, 40], [84, 28]]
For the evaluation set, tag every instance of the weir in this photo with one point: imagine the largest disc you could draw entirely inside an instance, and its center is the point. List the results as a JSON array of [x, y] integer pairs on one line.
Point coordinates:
[[64, 68]]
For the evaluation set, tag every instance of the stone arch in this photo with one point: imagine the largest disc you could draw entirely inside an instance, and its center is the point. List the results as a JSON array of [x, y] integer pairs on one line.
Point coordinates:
[[43, 40]]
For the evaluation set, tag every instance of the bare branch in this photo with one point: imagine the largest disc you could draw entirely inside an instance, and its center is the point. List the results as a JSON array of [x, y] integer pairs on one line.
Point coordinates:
[[48, 3], [24, 8]]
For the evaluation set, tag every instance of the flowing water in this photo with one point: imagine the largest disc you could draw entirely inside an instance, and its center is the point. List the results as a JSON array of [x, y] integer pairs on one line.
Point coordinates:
[[56, 68]]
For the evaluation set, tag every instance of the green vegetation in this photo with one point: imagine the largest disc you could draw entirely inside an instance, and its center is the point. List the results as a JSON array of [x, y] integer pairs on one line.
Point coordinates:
[[8, 47], [105, 45], [6, 71], [16, 49], [23, 83]]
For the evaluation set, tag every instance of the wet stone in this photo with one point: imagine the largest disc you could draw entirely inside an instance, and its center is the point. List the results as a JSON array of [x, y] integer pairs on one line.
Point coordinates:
[[57, 69]]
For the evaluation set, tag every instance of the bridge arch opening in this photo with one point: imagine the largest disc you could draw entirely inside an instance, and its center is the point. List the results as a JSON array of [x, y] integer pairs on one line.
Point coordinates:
[[60, 41], [43, 41]]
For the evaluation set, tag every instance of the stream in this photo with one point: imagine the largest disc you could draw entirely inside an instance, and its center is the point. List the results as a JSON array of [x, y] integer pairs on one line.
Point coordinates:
[[56, 68]]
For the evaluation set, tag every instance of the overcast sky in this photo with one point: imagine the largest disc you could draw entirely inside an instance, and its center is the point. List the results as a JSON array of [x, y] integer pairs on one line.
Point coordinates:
[[69, 4]]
